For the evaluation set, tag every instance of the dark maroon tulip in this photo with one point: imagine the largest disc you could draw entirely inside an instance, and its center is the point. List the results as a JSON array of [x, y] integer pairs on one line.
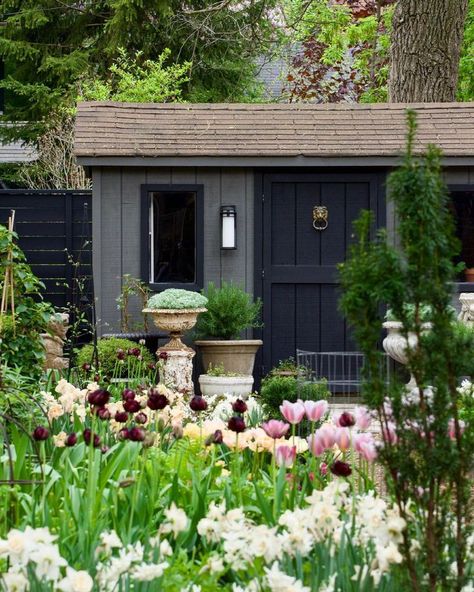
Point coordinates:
[[124, 434], [121, 416], [157, 402], [128, 394], [136, 434], [120, 354], [163, 355], [71, 439], [132, 406], [41, 433], [151, 366], [96, 377], [198, 403], [86, 367], [236, 424], [341, 469], [134, 351], [239, 406], [87, 434], [99, 398], [215, 438], [141, 418], [346, 420], [103, 413]]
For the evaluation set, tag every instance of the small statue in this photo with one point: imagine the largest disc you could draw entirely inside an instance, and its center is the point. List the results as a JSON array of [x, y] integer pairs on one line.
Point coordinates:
[[466, 315], [53, 342]]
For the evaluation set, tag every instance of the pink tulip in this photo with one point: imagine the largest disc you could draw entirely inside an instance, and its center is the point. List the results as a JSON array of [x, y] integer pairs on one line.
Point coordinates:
[[292, 412], [343, 439], [389, 433], [452, 428], [285, 456], [327, 436], [362, 417], [315, 409], [364, 444], [315, 444], [275, 428]]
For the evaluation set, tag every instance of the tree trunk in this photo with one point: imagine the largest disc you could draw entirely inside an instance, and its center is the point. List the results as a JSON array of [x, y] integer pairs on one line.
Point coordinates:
[[425, 48]]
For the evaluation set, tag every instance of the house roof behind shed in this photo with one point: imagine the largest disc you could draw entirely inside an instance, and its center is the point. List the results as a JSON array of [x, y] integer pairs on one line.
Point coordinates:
[[108, 129]]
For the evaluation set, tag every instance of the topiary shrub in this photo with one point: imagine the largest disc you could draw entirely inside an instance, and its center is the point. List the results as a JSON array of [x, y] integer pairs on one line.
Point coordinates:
[[109, 352], [230, 310], [276, 389]]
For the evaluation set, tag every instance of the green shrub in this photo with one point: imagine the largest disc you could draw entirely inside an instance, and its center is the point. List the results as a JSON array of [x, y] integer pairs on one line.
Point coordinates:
[[230, 310], [276, 389], [109, 364]]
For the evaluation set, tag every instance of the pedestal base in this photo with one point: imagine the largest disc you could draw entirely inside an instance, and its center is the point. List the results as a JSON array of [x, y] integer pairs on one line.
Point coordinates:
[[177, 369]]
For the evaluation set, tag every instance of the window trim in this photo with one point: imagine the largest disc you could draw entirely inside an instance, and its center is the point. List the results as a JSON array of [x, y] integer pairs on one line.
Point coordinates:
[[145, 231]]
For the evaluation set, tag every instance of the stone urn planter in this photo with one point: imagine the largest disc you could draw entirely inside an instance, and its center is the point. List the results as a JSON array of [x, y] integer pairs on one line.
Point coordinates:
[[238, 386], [396, 344], [236, 355], [176, 322]]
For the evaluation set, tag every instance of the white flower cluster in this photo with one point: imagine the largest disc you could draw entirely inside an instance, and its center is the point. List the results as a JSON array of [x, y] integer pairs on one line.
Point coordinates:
[[119, 563], [466, 388], [35, 549], [220, 407], [71, 400], [323, 520]]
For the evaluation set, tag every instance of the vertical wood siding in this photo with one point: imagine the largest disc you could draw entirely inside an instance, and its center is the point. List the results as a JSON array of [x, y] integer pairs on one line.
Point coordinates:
[[116, 228]]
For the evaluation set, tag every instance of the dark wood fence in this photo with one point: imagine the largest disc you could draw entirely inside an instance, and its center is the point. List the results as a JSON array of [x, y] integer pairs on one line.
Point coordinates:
[[55, 230]]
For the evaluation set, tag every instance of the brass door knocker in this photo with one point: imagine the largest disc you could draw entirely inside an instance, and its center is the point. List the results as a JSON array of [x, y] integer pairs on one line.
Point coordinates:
[[320, 217]]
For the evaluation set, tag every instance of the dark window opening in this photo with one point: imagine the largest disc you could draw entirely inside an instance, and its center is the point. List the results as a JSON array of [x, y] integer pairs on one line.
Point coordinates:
[[173, 223], [462, 205]]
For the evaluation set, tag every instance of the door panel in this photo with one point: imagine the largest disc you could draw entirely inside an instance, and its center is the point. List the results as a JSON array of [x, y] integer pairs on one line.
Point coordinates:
[[300, 285]]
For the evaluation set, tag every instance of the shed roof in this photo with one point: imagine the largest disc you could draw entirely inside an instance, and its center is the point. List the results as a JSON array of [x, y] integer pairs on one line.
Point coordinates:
[[109, 129]]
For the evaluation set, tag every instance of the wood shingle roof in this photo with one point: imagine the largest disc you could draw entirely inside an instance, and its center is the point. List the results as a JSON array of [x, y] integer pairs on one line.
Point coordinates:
[[285, 130]]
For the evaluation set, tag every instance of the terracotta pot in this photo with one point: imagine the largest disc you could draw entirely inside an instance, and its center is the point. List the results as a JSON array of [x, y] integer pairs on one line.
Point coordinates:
[[469, 274], [176, 322], [237, 356]]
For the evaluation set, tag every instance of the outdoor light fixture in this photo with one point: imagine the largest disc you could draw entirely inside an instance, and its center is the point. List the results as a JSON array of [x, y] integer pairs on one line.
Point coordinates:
[[228, 227]]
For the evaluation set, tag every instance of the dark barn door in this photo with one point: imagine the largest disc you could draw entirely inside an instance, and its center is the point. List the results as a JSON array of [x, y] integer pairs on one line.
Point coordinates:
[[299, 280]]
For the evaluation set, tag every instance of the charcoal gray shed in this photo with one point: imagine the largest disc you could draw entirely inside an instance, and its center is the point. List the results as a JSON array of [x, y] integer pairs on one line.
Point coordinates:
[[162, 172]]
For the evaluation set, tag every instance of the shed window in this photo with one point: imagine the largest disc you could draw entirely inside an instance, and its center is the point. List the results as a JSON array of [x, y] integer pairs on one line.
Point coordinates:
[[172, 229], [463, 210]]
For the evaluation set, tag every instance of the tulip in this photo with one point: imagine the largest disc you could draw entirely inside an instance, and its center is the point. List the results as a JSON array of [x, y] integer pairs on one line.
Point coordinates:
[[239, 406], [128, 394], [136, 434], [99, 398], [198, 403], [120, 354], [215, 438], [315, 409], [151, 366], [327, 436], [315, 445], [123, 434], [285, 456], [40, 433], [389, 433], [343, 439], [236, 424], [292, 412], [275, 428], [163, 355], [103, 413], [156, 402], [132, 406], [71, 439], [362, 417], [104, 449], [134, 351], [341, 469], [141, 418], [86, 367], [323, 468], [121, 416], [87, 435], [345, 420]]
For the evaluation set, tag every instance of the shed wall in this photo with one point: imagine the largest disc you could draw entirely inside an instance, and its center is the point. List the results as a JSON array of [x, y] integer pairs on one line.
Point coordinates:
[[116, 228], [116, 225]]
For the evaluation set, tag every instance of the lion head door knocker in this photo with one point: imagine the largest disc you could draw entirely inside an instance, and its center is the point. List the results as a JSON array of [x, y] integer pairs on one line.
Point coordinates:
[[320, 217]]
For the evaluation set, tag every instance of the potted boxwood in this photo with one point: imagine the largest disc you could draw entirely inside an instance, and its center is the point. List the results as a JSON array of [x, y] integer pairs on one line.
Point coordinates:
[[217, 381], [175, 311], [230, 310]]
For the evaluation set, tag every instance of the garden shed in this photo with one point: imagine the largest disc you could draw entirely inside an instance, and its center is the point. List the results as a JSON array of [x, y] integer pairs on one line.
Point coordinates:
[[171, 183]]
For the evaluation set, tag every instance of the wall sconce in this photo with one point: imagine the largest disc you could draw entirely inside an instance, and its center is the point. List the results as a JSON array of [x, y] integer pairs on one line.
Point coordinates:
[[228, 227]]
